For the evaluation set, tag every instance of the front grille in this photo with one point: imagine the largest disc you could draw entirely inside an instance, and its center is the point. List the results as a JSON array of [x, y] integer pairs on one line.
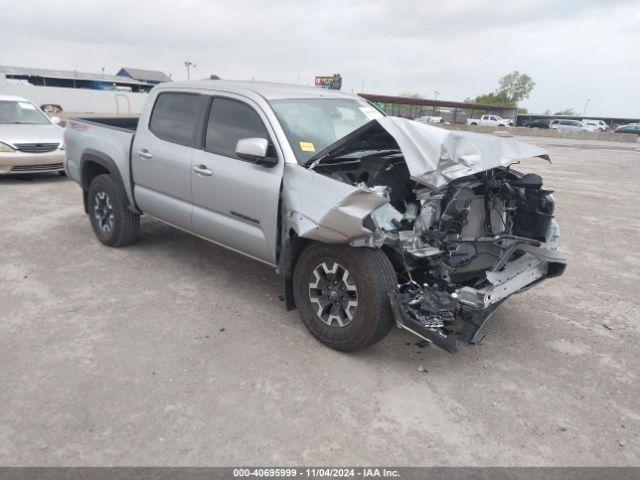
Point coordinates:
[[36, 147], [37, 168]]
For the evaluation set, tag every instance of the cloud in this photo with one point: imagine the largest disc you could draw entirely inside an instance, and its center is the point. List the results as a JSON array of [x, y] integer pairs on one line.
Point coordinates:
[[574, 49]]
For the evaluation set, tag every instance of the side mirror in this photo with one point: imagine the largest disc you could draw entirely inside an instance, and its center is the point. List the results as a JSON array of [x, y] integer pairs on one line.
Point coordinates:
[[55, 120], [255, 150]]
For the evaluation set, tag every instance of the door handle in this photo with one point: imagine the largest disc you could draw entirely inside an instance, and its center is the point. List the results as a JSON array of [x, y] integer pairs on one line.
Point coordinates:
[[144, 153], [202, 170]]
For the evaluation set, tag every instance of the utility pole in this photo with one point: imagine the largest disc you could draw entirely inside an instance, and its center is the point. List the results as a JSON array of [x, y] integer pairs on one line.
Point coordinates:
[[585, 106], [189, 65], [436, 94]]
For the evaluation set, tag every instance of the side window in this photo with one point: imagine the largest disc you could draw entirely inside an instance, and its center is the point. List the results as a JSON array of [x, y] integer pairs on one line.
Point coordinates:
[[230, 121], [175, 117]]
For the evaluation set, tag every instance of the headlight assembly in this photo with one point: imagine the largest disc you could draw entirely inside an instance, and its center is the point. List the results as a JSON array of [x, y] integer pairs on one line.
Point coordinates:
[[4, 148]]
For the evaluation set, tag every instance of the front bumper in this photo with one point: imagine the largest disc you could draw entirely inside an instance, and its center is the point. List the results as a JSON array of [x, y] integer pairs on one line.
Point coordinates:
[[465, 316], [20, 162]]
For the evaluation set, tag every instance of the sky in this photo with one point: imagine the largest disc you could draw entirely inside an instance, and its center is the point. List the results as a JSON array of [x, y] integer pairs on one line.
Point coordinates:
[[573, 49]]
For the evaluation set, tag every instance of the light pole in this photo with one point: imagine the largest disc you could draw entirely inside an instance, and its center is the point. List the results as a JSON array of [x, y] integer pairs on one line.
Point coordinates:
[[436, 94], [189, 65], [585, 106]]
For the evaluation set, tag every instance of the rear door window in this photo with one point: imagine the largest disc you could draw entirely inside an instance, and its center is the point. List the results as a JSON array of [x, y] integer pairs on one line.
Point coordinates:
[[229, 121], [176, 116]]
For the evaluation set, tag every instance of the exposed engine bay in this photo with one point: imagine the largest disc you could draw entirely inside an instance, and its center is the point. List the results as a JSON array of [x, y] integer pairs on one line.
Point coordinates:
[[461, 247]]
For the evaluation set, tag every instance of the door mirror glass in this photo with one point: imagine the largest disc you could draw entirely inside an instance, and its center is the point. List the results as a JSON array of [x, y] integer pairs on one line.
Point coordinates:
[[252, 148], [255, 150]]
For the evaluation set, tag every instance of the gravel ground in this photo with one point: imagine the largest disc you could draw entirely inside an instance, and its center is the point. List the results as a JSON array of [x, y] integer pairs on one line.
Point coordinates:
[[176, 352]]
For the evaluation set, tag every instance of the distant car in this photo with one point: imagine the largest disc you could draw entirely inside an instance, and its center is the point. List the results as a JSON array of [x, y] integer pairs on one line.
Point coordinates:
[[429, 119], [630, 128], [51, 108], [538, 123], [595, 125], [30, 141], [490, 121], [568, 125]]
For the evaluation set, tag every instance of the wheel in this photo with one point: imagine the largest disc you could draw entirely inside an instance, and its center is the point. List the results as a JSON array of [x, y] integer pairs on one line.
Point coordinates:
[[112, 222], [474, 123], [342, 294]]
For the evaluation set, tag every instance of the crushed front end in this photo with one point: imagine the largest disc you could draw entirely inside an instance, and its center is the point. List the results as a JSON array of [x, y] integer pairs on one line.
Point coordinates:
[[474, 243], [463, 230]]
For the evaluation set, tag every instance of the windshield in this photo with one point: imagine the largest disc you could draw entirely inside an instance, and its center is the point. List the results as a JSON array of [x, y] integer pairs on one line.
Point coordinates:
[[312, 124], [21, 112]]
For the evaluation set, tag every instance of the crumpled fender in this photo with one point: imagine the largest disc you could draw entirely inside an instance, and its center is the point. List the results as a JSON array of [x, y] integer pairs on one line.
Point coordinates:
[[323, 209]]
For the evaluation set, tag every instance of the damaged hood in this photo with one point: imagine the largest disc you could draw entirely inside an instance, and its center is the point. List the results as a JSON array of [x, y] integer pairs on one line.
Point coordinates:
[[434, 156]]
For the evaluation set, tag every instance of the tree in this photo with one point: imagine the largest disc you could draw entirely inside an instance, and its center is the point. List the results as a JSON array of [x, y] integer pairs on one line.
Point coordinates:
[[512, 88], [566, 111], [516, 86], [411, 95]]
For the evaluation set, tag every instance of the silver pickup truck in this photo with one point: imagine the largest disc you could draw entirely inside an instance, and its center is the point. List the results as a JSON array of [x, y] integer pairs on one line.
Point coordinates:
[[369, 220]]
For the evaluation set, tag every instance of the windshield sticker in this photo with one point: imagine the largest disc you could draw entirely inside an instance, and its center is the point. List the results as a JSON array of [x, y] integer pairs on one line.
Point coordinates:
[[307, 147], [371, 113], [26, 106]]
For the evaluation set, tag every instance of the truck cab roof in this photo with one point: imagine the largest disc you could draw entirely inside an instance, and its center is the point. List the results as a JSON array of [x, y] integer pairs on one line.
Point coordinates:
[[266, 90]]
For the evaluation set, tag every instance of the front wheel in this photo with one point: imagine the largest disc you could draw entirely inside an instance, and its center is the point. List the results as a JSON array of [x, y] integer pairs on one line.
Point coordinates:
[[112, 222], [342, 295]]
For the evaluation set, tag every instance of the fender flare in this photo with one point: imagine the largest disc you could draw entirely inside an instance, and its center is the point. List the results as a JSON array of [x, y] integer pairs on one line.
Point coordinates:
[[94, 156]]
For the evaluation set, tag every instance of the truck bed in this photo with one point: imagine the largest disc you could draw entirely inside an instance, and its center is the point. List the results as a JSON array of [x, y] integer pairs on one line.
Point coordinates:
[[123, 123], [105, 140]]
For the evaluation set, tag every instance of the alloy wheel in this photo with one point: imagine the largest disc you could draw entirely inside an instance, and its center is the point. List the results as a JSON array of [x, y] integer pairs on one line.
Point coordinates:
[[334, 294], [103, 212]]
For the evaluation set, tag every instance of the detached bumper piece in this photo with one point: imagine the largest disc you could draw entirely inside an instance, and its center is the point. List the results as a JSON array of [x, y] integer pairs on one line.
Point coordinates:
[[442, 318], [427, 318], [436, 325]]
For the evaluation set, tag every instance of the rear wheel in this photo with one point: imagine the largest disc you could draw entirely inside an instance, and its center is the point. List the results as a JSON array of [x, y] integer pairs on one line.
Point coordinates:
[[112, 222], [342, 295]]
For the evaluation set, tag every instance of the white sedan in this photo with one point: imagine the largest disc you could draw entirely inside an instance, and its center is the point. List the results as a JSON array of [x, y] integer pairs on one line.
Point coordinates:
[[30, 141], [569, 125]]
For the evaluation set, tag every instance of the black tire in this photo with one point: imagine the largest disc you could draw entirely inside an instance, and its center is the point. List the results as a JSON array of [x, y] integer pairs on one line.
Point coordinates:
[[374, 278], [121, 224], [62, 173]]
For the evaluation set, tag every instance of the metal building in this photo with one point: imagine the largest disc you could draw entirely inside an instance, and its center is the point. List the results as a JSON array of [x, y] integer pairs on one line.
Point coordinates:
[[71, 79]]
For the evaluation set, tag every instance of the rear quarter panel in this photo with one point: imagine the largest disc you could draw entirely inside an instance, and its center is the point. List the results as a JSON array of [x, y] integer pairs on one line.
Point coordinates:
[[86, 140]]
